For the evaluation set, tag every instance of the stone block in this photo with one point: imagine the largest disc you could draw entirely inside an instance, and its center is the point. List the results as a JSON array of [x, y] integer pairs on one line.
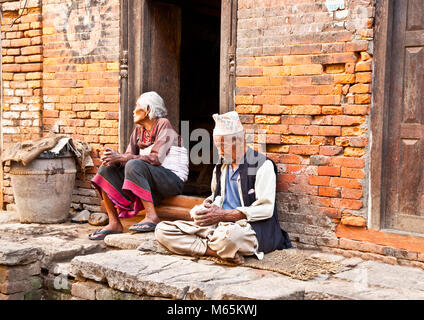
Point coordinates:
[[12, 253], [12, 274], [85, 290], [26, 286], [110, 294]]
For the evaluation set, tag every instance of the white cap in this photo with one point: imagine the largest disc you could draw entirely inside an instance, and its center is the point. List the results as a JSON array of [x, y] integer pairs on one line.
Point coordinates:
[[227, 124]]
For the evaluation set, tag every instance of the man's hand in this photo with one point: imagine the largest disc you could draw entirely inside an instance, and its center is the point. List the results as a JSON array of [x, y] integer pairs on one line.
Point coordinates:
[[111, 157], [211, 215]]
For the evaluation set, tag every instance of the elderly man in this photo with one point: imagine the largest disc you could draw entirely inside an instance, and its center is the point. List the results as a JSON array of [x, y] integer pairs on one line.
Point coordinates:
[[240, 217]]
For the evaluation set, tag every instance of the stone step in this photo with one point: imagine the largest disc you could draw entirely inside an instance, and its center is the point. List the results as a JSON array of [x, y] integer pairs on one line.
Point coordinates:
[[179, 277]]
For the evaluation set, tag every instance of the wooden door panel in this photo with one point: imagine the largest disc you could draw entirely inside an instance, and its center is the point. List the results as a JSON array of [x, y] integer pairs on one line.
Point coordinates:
[[404, 162], [410, 179], [415, 15], [165, 45], [414, 81]]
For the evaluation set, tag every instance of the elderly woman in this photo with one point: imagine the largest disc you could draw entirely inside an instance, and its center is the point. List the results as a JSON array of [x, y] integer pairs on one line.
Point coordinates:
[[154, 166]]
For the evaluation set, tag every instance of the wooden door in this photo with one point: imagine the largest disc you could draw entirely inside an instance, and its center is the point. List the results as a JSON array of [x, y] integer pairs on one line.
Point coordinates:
[[404, 156], [227, 79], [150, 57], [164, 56]]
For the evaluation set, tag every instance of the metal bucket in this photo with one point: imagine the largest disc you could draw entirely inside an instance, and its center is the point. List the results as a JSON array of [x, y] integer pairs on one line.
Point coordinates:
[[43, 188]]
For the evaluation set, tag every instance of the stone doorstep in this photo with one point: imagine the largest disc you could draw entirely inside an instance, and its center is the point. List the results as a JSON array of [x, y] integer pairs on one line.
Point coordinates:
[[182, 201], [177, 277]]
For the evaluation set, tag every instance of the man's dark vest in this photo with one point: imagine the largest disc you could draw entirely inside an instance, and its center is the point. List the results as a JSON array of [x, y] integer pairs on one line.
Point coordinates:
[[268, 232]]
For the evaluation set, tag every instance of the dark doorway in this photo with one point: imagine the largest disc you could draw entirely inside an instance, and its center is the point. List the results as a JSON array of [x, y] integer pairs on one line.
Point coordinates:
[[198, 70], [184, 50], [199, 98]]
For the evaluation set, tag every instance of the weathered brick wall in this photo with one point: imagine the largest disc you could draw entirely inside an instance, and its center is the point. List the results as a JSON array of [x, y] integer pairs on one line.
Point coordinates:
[[22, 57], [61, 74], [81, 78], [304, 77]]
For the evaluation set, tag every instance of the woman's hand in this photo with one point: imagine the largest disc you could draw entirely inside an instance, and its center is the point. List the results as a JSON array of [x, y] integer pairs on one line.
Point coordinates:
[[111, 157]]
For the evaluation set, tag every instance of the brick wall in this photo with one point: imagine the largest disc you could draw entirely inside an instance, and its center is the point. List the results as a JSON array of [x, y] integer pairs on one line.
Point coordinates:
[[304, 78], [22, 57], [81, 79], [72, 52]]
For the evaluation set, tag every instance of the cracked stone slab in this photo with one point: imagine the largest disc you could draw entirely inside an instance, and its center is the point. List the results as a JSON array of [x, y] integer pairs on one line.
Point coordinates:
[[57, 249], [12, 253], [384, 275], [53, 248], [168, 276], [336, 289]]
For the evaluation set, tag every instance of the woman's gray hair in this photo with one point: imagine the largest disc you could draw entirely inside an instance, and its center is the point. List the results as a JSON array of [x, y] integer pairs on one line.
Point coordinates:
[[155, 102]]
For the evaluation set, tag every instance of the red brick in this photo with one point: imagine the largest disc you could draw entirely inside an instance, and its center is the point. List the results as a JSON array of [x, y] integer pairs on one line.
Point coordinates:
[[319, 180], [285, 177], [364, 77], [32, 67], [348, 120], [304, 150], [351, 141], [24, 42], [290, 158], [298, 120], [330, 151], [329, 131], [328, 171], [290, 168], [273, 109], [345, 182], [356, 109], [267, 119], [328, 192], [303, 189], [31, 50], [362, 98], [273, 138], [303, 130], [352, 173], [346, 204], [348, 193], [347, 162], [242, 109], [11, 68]]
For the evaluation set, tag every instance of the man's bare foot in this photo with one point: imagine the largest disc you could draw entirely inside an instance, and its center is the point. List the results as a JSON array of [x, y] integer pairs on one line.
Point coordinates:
[[238, 259]]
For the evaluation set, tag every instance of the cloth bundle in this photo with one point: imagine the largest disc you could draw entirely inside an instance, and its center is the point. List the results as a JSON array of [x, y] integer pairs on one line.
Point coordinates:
[[26, 151]]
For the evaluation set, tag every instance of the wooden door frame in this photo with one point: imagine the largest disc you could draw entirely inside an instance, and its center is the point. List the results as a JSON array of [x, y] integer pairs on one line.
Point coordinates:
[[134, 58], [379, 110]]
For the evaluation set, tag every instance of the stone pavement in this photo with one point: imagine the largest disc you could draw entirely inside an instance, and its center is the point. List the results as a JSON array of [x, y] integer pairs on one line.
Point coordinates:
[[59, 262]]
